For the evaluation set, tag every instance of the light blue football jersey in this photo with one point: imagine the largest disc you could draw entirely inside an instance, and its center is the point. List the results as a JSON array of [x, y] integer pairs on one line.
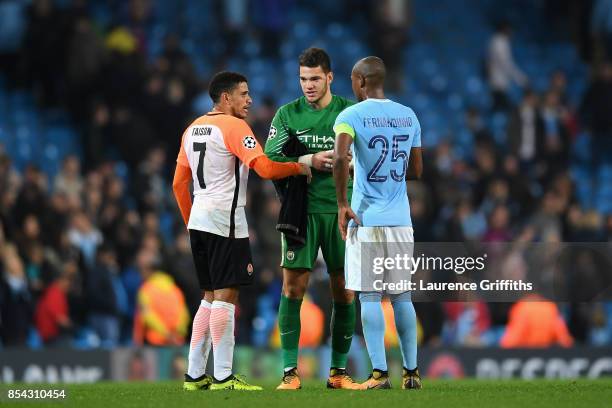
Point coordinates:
[[383, 133]]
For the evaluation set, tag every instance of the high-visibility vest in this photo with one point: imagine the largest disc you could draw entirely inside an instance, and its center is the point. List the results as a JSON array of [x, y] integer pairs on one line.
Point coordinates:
[[162, 317]]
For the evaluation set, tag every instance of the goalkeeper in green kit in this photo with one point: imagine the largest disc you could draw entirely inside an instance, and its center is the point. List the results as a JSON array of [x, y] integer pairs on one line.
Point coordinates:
[[310, 119]]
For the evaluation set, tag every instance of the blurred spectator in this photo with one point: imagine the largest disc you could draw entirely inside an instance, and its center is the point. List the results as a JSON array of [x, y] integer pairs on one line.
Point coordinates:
[[431, 322], [39, 271], [86, 56], [520, 186], [176, 63], [388, 34], [234, 16], [69, 181], [466, 322], [486, 171], [587, 277], [16, 304], [526, 131], [497, 194], [131, 133], [420, 210], [558, 85], [501, 68], [270, 18], [556, 143], [85, 236], [535, 322], [466, 223], [31, 196], [596, 115], [9, 177], [176, 113], [44, 46], [29, 234], [499, 225], [106, 297], [97, 135], [126, 66], [139, 18], [476, 125], [52, 314], [150, 184], [583, 226], [126, 236], [547, 220], [161, 317], [183, 271], [56, 217], [601, 26], [12, 28], [313, 321]]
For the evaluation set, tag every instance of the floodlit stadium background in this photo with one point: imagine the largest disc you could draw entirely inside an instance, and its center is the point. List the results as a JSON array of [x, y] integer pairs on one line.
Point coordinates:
[[94, 96]]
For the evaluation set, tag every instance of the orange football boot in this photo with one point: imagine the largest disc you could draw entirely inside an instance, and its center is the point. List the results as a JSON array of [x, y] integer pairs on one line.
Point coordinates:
[[339, 379], [291, 381]]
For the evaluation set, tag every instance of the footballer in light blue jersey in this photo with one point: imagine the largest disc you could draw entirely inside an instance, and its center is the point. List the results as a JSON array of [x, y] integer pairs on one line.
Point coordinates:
[[385, 138], [383, 132]]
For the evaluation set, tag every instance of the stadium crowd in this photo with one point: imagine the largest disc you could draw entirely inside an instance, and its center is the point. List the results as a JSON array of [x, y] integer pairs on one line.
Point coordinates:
[[97, 253]]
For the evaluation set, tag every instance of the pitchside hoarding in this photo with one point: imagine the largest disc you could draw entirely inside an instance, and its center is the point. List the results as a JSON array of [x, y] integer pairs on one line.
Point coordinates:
[[494, 363], [72, 366], [54, 366]]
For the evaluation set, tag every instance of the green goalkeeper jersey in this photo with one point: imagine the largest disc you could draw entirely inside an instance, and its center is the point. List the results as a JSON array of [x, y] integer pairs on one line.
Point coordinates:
[[314, 128]]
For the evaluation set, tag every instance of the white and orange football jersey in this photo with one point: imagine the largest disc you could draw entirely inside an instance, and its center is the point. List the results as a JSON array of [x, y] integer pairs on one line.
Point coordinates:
[[219, 149]]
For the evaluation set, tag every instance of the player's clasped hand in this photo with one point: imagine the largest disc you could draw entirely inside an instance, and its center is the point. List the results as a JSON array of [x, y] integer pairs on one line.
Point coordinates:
[[323, 161], [305, 171], [345, 214]]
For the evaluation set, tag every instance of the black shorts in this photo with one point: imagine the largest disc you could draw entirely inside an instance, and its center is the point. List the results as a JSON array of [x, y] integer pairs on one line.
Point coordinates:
[[221, 262]]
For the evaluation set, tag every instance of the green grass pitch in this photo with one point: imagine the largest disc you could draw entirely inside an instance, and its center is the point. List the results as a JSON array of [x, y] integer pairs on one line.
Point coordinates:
[[436, 393]]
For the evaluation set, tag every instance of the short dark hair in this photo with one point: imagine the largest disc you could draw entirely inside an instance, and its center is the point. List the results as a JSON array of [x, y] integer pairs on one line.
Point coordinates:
[[224, 81], [314, 57]]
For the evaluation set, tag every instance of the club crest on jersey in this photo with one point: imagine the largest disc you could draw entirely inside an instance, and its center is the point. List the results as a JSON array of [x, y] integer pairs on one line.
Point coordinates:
[[272, 132], [250, 269], [290, 255], [249, 142]]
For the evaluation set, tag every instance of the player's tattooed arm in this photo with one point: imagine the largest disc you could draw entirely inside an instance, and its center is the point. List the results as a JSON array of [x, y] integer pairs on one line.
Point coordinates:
[[415, 164]]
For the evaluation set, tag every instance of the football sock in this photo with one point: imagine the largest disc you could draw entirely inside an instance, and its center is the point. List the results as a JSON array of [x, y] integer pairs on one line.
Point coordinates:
[[373, 322], [406, 324], [289, 326], [342, 330], [200, 341], [222, 333]]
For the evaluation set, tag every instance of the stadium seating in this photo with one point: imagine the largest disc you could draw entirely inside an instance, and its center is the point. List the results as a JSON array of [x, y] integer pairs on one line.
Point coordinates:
[[443, 66]]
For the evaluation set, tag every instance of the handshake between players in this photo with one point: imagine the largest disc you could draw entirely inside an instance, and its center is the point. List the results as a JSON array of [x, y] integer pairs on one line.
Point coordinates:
[[217, 151]]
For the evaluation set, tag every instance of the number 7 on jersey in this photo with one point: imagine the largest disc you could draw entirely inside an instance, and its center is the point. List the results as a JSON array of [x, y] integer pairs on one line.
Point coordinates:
[[201, 148]]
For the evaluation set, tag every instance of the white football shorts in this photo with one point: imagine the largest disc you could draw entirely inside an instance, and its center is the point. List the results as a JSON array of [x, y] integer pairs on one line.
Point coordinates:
[[377, 259]]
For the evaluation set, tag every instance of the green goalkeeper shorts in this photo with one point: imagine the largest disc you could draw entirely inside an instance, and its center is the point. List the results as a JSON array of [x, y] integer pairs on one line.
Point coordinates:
[[321, 232]]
